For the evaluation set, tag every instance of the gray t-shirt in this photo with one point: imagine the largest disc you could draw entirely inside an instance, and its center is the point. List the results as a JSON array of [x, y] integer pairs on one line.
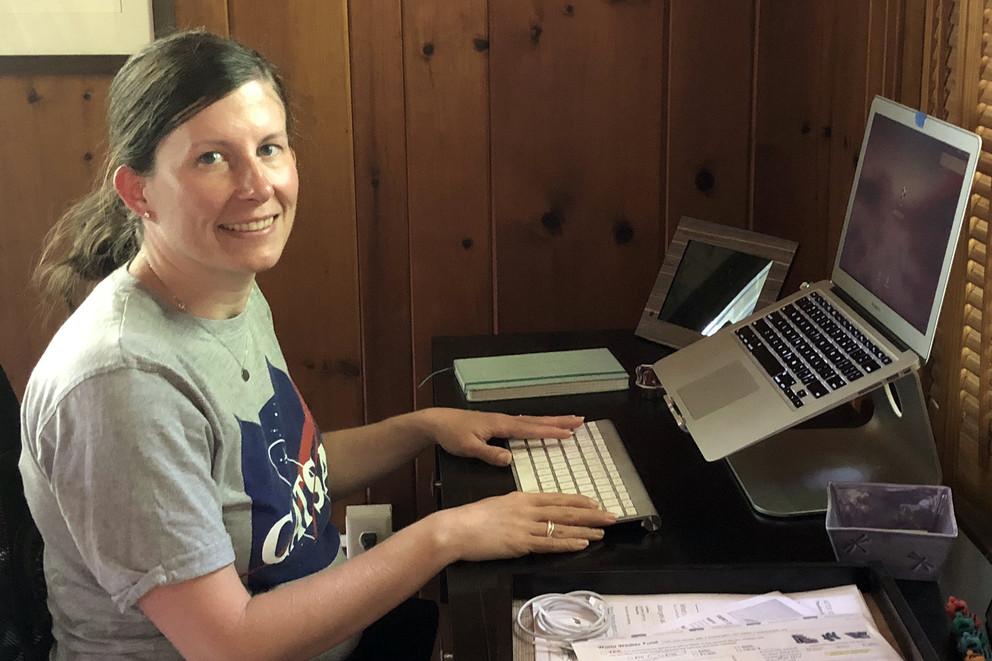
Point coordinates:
[[148, 460]]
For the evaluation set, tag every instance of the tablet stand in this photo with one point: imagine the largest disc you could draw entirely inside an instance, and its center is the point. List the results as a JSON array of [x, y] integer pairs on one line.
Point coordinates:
[[787, 474]]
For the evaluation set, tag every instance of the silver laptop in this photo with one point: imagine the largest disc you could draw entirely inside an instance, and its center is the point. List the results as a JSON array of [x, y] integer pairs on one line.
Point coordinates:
[[873, 322]]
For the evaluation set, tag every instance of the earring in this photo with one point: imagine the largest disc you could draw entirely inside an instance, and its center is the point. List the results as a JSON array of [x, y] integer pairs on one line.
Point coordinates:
[[147, 214]]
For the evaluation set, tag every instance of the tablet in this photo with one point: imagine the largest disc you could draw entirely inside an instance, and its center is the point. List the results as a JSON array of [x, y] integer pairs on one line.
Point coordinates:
[[712, 275]]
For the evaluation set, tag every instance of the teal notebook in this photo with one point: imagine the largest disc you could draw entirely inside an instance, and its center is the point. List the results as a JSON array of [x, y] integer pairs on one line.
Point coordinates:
[[539, 374]]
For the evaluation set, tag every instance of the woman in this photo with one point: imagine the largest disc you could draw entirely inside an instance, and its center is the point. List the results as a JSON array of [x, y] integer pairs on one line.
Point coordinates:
[[173, 469]]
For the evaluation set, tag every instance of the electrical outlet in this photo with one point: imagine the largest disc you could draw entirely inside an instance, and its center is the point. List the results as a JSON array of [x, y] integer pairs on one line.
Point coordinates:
[[366, 525]]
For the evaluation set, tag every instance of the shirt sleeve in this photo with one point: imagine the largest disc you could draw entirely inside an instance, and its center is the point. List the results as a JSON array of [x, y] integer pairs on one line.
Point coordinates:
[[131, 471]]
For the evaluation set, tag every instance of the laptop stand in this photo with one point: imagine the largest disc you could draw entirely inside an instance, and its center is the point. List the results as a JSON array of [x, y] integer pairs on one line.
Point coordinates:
[[787, 474]]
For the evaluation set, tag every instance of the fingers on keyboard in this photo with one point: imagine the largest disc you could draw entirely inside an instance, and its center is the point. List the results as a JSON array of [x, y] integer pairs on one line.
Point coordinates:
[[580, 465]]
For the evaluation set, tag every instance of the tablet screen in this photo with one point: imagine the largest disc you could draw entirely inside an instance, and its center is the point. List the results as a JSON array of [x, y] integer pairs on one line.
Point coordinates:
[[713, 287]]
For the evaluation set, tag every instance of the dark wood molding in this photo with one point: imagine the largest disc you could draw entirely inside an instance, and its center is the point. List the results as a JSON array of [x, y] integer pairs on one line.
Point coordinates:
[[60, 64], [164, 17]]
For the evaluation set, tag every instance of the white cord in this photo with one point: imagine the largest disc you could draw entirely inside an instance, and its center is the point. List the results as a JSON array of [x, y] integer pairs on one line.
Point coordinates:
[[433, 374], [563, 619], [889, 389]]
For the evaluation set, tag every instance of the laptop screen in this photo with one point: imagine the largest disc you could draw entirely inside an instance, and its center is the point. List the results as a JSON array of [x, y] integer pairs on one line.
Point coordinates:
[[901, 217]]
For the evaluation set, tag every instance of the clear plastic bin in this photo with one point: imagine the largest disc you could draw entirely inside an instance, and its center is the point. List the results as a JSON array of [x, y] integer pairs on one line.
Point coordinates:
[[906, 528]]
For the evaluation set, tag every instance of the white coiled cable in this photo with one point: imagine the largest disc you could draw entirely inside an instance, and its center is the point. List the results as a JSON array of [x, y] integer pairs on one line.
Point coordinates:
[[563, 619]]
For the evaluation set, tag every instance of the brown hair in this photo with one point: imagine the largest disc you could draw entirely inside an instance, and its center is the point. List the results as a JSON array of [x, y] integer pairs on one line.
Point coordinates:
[[156, 90]]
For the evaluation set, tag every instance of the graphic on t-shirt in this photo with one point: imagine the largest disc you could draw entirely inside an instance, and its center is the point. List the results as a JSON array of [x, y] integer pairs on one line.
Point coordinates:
[[285, 471]]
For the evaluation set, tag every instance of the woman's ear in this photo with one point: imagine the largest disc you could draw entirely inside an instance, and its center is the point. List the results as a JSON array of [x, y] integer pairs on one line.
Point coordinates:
[[130, 187]]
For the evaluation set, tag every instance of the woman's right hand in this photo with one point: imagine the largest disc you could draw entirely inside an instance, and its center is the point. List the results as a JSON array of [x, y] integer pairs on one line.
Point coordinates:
[[517, 523]]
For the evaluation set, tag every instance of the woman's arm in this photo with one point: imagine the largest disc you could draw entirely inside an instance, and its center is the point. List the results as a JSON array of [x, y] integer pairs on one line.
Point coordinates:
[[357, 456], [214, 617]]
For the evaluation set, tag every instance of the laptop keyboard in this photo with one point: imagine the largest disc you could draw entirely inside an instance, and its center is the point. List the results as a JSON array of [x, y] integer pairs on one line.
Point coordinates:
[[583, 465], [810, 348]]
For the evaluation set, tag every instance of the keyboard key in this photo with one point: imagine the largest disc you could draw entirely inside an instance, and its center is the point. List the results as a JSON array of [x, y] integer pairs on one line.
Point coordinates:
[[869, 365], [528, 480], [767, 360], [836, 382], [748, 337], [785, 381]]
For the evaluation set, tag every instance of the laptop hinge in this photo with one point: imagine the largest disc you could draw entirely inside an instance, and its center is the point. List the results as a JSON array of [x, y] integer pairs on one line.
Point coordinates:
[[868, 316]]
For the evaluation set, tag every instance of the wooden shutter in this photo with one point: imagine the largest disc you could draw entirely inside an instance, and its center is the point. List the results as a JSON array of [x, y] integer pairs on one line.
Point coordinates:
[[958, 87]]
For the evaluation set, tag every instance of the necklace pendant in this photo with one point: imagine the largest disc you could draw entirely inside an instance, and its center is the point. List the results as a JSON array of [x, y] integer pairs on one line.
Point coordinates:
[[244, 374]]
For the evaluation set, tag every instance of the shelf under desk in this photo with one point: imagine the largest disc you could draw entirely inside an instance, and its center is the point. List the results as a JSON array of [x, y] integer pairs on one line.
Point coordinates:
[[705, 519]]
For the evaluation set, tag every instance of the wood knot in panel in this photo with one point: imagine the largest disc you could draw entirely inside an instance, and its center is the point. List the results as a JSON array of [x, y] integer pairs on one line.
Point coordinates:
[[535, 34], [805, 128], [705, 181], [480, 44], [33, 96], [374, 177], [345, 368], [623, 232], [428, 49], [87, 95], [569, 10], [552, 222], [467, 243], [88, 156]]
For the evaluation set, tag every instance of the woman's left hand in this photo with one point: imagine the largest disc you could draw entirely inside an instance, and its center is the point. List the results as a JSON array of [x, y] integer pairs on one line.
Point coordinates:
[[467, 433]]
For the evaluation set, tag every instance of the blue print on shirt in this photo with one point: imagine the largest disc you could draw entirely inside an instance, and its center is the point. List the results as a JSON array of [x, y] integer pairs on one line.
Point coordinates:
[[285, 471]]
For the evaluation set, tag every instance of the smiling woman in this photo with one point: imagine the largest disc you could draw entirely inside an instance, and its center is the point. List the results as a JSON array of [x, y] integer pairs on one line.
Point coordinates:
[[151, 99], [219, 205], [186, 511]]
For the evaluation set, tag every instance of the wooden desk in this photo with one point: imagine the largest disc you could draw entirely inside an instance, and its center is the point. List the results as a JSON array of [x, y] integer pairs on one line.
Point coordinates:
[[705, 519]]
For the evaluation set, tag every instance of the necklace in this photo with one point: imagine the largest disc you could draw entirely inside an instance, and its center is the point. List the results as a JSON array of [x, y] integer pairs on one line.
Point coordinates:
[[181, 306], [245, 374]]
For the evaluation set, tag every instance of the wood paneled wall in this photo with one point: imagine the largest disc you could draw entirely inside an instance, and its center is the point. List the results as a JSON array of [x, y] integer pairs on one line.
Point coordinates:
[[52, 125], [498, 165]]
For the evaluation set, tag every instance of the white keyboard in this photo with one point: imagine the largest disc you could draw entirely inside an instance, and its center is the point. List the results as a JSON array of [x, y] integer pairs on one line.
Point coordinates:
[[593, 463]]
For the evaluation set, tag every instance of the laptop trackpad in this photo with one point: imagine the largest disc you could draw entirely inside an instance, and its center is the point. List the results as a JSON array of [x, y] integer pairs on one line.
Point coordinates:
[[717, 389]]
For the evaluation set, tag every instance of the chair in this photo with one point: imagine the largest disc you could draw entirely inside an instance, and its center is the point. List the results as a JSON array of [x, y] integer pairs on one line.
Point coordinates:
[[25, 623]]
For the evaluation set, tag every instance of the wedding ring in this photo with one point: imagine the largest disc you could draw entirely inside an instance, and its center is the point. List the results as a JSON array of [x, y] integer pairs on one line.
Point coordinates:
[[551, 529]]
